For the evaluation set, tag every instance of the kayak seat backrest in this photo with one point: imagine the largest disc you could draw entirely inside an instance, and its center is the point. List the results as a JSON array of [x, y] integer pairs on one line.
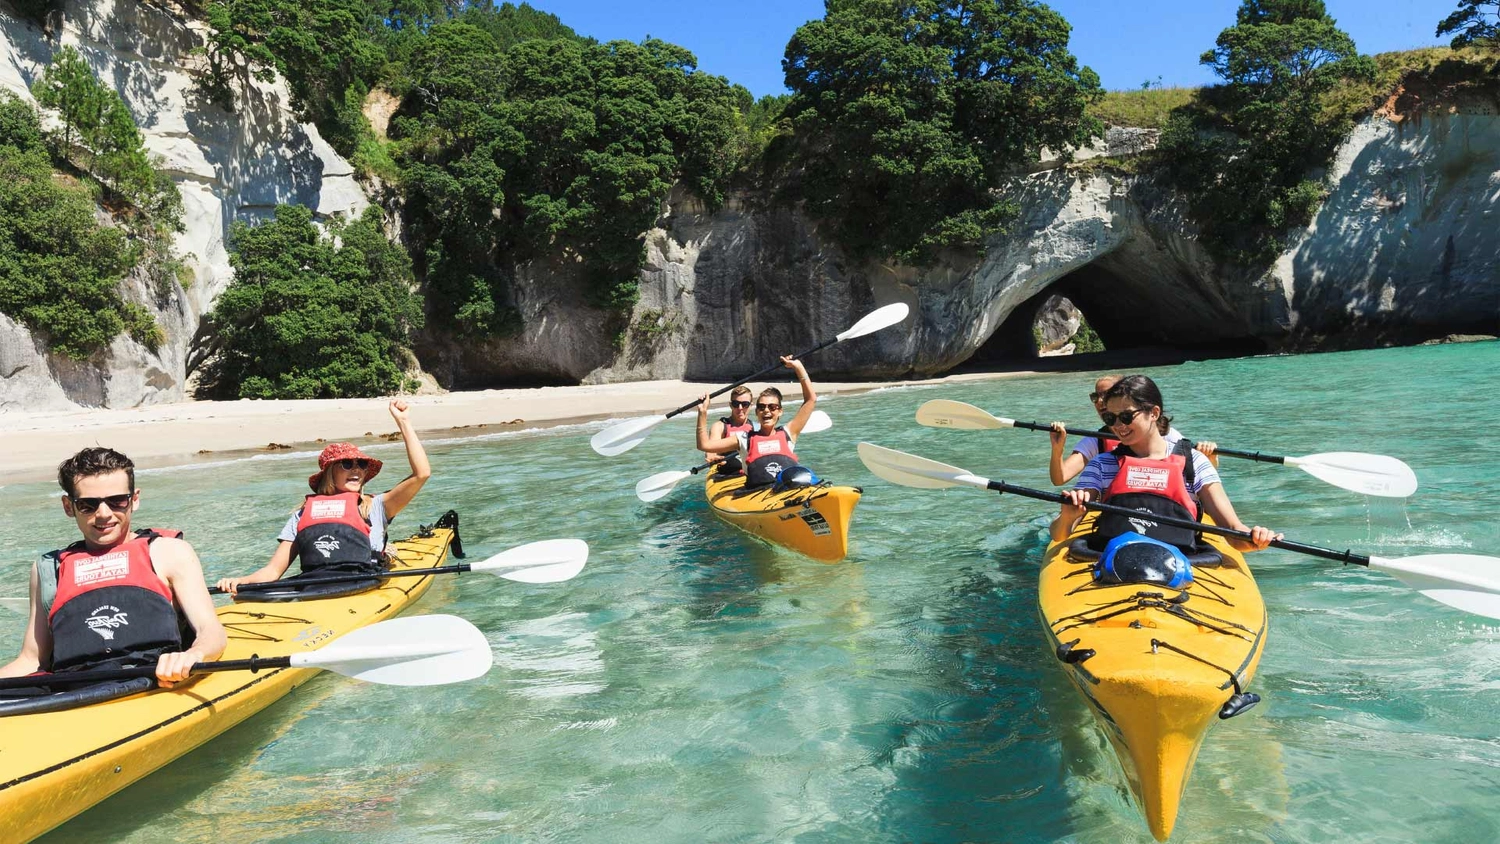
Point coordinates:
[[1205, 557]]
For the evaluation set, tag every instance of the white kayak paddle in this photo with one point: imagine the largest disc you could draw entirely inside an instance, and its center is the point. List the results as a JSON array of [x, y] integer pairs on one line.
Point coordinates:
[[547, 561], [623, 436], [423, 650], [1469, 582], [1367, 474]]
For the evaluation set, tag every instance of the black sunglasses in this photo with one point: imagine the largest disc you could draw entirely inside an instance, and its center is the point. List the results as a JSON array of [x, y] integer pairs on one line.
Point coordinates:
[[1095, 396], [733, 403], [350, 463], [89, 506], [1125, 416], [764, 406]]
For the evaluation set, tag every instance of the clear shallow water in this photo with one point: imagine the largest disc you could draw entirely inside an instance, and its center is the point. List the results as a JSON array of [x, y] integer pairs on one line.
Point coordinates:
[[694, 685]]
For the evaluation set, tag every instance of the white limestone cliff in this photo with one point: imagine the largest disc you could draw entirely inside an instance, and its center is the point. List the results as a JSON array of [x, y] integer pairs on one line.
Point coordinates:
[[228, 167]]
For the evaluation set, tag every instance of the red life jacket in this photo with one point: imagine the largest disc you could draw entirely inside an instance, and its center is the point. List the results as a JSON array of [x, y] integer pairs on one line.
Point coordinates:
[[1152, 487], [332, 535], [766, 456], [111, 608]]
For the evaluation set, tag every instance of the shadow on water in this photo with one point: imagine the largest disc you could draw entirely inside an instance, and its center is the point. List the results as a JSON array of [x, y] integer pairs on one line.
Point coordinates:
[[723, 569]]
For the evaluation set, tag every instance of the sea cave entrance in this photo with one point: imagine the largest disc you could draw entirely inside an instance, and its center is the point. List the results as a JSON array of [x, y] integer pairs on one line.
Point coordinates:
[[1110, 319]]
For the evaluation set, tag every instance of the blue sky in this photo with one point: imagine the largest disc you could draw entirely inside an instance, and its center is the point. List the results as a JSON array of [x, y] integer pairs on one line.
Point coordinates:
[[1125, 41]]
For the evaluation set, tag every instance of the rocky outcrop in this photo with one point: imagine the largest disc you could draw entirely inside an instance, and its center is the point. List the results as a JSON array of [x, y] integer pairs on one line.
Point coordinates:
[[228, 167], [1405, 248], [1402, 250]]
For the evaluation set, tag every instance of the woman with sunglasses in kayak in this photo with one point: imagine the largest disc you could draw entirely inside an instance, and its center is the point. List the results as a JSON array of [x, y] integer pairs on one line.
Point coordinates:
[[767, 451], [1147, 473], [1064, 469], [736, 423], [340, 528]]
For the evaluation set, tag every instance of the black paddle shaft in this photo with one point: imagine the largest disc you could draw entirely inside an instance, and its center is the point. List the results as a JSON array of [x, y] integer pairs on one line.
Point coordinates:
[[340, 578], [1287, 545], [104, 675], [761, 374], [1080, 432]]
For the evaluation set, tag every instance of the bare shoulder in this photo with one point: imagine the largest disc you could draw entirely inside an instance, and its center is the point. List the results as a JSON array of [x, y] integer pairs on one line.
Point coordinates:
[[173, 552]]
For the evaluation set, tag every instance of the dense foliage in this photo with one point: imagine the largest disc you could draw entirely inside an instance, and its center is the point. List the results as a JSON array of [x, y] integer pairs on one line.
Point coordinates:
[[1474, 23], [311, 314], [908, 113], [553, 148], [59, 269], [1245, 150]]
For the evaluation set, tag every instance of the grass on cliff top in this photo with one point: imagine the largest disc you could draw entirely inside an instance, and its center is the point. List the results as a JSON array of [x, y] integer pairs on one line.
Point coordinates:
[[1421, 75], [1407, 80], [1146, 108]]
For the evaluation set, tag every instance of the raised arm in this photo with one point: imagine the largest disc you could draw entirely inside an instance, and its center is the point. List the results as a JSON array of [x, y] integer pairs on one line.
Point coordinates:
[[1063, 469], [706, 442], [402, 494], [809, 398], [715, 432]]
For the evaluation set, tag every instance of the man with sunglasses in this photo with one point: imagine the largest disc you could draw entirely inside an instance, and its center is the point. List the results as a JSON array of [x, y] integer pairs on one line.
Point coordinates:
[[736, 423], [117, 597], [767, 449]]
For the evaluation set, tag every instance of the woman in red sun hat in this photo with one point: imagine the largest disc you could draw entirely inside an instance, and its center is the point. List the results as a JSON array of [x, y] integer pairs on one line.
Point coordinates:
[[339, 528]]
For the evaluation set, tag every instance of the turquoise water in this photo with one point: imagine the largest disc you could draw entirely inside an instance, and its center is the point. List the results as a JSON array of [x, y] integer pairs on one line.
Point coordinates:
[[694, 685]]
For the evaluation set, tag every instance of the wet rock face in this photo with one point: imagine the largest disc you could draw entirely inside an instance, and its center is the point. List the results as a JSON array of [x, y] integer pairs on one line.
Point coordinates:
[[1402, 250], [1406, 246], [228, 167]]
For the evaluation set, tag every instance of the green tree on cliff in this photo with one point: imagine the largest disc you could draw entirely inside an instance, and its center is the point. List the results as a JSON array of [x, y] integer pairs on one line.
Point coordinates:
[[100, 137], [1244, 151], [550, 149], [909, 113], [1474, 23], [60, 271], [311, 315]]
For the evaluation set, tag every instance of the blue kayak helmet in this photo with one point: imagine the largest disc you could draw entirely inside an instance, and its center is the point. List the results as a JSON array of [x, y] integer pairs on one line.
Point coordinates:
[[796, 476], [1134, 558]]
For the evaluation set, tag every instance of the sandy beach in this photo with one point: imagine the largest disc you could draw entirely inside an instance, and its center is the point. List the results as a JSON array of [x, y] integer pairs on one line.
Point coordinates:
[[185, 432]]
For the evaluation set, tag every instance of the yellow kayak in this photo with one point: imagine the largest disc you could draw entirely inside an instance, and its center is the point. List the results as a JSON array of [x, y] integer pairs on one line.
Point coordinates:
[[812, 520], [55, 765], [1157, 665]]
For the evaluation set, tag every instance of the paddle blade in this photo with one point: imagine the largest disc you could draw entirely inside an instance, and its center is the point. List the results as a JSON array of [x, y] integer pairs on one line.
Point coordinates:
[[551, 561], [548, 561], [942, 413], [423, 650], [658, 485], [917, 472], [819, 421], [623, 436], [1469, 582], [1368, 474], [875, 320]]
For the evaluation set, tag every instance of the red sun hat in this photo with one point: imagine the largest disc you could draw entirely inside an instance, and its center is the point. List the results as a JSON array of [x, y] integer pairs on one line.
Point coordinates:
[[335, 452]]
